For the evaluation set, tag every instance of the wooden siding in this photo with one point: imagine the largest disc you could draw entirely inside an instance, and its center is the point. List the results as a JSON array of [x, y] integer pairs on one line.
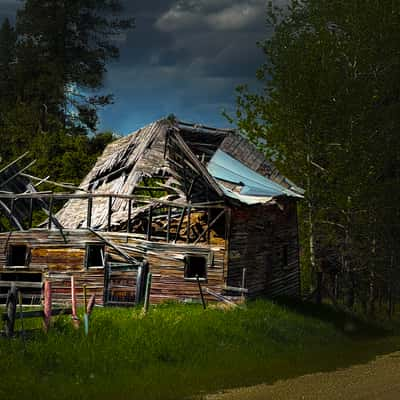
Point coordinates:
[[57, 261], [258, 238]]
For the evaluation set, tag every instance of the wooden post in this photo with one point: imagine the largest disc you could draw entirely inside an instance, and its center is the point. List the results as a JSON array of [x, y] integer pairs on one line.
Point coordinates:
[[150, 223], [50, 212], [243, 282], [85, 315], [208, 225], [47, 305], [91, 304], [21, 316], [147, 293], [75, 319], [188, 224], [129, 225], [109, 213], [89, 212], [139, 279], [180, 224], [11, 310], [169, 224], [201, 292]]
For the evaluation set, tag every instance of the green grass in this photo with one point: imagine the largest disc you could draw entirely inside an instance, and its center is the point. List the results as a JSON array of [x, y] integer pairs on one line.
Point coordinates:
[[178, 351]]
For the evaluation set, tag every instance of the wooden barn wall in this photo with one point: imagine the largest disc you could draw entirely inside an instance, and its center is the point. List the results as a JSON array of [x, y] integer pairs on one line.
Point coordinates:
[[167, 261], [58, 260], [264, 240]]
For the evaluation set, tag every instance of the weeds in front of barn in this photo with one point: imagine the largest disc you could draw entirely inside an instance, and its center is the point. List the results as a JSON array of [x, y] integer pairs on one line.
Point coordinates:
[[175, 351]]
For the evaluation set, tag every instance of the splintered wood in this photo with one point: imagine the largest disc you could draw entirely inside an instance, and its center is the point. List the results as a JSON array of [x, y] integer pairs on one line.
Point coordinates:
[[151, 206]]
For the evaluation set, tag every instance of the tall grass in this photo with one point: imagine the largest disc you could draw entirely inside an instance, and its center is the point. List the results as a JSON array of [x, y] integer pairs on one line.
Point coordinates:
[[175, 351]]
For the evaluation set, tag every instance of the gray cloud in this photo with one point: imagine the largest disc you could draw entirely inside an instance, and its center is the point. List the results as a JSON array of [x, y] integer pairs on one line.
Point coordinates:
[[223, 15], [184, 57]]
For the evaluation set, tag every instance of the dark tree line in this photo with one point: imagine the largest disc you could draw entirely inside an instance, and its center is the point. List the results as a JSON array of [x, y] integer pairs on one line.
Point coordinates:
[[52, 62], [329, 114]]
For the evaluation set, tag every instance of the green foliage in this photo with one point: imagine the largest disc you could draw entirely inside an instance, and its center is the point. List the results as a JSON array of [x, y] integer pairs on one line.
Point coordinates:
[[174, 352], [62, 52], [51, 63], [329, 114]]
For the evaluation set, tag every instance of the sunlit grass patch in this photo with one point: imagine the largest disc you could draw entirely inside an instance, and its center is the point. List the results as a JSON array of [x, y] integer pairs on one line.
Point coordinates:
[[173, 352]]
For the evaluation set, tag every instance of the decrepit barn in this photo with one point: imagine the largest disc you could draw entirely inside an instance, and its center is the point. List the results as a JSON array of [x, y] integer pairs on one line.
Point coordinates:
[[188, 203]]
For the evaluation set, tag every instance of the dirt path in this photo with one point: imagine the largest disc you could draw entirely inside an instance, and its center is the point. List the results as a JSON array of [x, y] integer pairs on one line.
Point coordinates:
[[376, 380]]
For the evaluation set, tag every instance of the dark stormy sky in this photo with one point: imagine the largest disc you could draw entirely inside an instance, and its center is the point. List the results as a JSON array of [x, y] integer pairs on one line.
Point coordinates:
[[184, 57]]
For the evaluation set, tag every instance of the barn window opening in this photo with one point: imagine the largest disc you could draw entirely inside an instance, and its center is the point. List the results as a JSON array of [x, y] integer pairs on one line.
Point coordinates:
[[17, 256], [94, 255], [195, 266]]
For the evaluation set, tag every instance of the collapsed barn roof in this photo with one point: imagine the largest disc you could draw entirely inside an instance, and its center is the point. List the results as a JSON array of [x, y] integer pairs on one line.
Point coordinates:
[[173, 161]]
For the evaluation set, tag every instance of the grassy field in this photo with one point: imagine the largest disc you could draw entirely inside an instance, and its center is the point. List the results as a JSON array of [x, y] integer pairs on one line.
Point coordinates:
[[179, 351]]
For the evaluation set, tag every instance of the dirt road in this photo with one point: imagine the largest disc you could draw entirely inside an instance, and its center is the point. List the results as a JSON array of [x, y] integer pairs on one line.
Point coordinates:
[[376, 380]]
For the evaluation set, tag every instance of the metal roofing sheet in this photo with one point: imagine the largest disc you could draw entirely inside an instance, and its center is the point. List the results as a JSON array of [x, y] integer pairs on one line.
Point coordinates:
[[255, 187]]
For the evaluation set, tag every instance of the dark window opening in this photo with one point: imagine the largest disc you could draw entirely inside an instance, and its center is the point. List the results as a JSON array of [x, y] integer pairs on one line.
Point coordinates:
[[94, 255], [195, 266], [17, 255]]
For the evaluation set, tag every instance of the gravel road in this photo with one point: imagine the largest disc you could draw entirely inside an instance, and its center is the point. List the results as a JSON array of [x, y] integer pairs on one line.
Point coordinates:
[[377, 380]]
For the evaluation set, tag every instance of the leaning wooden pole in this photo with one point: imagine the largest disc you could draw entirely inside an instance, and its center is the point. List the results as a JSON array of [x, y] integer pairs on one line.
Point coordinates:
[[201, 292], [147, 293], [85, 315], [75, 319], [47, 305]]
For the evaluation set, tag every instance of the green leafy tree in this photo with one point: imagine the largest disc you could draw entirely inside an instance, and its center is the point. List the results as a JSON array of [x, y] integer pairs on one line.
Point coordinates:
[[329, 115]]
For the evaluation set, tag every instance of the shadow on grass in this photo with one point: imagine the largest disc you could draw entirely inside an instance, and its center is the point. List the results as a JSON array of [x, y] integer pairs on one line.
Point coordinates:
[[351, 324]]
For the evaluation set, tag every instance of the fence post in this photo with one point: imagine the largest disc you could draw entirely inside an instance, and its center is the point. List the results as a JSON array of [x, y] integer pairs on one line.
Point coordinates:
[[85, 315], [147, 294], [75, 319], [47, 305], [243, 282], [11, 310]]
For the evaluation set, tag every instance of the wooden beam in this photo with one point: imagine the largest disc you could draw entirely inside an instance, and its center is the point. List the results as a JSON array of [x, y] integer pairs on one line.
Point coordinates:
[[180, 224], [188, 225], [12, 209], [115, 247], [210, 226], [62, 185], [17, 173], [21, 284], [89, 212], [168, 223], [14, 162], [83, 196], [109, 213], [12, 217], [201, 168], [221, 297], [50, 212], [150, 223], [129, 224]]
